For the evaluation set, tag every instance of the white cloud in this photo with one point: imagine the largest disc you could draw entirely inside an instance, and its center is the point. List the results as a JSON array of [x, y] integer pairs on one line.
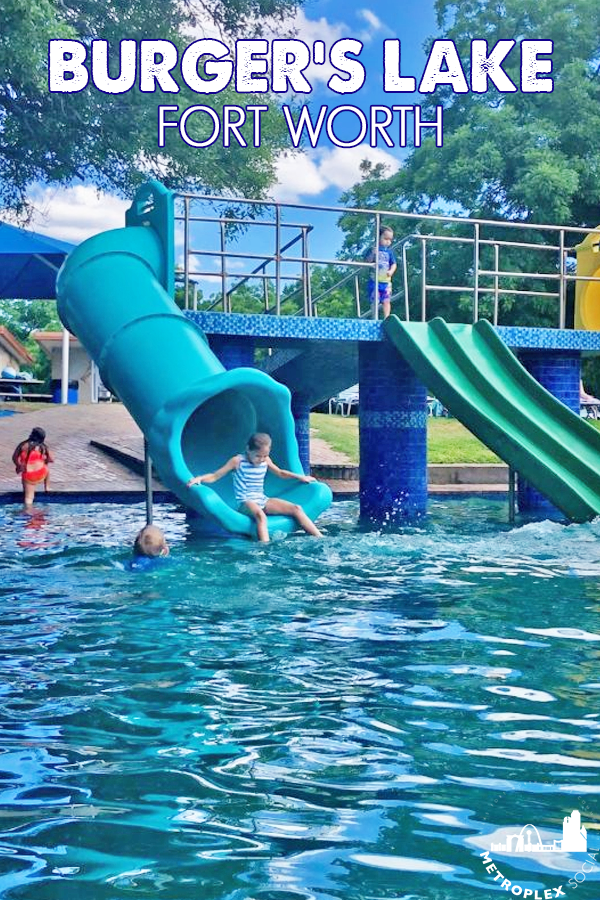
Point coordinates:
[[300, 27], [297, 175], [76, 213], [309, 173], [370, 18], [209, 279], [311, 30], [374, 25]]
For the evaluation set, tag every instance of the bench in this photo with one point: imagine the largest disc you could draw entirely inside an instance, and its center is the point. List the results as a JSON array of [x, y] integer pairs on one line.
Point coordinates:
[[589, 410], [12, 395]]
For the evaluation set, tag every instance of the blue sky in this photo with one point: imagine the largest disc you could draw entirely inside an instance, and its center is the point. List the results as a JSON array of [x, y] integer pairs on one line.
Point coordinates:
[[312, 176], [329, 170], [318, 176]]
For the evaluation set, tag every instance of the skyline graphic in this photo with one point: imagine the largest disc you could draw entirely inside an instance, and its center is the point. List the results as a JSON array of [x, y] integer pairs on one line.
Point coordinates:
[[574, 839]]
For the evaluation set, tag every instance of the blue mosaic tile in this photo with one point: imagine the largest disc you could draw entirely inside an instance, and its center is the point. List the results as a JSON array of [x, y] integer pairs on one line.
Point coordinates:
[[302, 425], [559, 372], [398, 419], [549, 338], [301, 328], [392, 436], [292, 327], [233, 354]]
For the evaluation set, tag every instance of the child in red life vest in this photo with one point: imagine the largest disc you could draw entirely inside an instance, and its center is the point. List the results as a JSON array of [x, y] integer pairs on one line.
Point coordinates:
[[31, 459]]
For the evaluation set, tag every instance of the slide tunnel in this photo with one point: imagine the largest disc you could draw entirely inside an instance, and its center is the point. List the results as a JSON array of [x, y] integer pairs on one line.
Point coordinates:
[[113, 295]]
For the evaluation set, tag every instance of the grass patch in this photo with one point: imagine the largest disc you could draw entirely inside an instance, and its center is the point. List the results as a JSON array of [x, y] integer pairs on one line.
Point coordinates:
[[447, 440], [450, 442], [340, 433]]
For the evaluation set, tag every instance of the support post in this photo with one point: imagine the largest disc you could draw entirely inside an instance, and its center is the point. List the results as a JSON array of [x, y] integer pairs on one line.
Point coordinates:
[[392, 436], [559, 371], [148, 482], [512, 500], [233, 352], [376, 272], [301, 414], [64, 383]]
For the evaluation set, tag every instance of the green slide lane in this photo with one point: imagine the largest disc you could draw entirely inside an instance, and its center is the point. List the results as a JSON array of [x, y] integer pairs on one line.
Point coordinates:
[[472, 371]]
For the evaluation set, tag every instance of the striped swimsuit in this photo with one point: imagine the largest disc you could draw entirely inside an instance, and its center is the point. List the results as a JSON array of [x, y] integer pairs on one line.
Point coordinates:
[[248, 483]]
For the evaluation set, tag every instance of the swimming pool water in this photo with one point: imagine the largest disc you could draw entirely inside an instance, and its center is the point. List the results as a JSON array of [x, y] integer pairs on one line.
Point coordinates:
[[359, 717]]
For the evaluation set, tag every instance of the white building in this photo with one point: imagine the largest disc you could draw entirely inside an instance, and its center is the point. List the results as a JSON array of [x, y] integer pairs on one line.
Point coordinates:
[[13, 354], [574, 834], [81, 368]]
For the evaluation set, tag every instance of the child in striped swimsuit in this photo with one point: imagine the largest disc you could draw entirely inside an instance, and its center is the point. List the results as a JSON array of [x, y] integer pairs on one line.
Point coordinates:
[[249, 472]]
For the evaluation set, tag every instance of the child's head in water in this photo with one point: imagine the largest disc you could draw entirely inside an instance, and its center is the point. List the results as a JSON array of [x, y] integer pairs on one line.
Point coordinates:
[[150, 542]]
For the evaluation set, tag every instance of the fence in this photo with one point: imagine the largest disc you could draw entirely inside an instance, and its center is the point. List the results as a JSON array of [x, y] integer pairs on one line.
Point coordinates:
[[496, 260]]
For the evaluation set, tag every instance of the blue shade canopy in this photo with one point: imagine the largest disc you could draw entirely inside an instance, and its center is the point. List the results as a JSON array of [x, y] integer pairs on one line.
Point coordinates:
[[29, 263]]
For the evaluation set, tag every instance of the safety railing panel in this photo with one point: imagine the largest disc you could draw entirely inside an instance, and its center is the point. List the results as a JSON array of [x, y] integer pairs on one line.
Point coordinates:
[[468, 268]]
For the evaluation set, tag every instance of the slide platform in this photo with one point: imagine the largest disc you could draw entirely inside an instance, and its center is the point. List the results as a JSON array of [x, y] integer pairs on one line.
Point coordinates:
[[113, 294], [472, 371]]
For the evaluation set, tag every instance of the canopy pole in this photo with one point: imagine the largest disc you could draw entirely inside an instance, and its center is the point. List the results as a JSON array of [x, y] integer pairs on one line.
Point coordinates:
[[64, 383], [148, 482]]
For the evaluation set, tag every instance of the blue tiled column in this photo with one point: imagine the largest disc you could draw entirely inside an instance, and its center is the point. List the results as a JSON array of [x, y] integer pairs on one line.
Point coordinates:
[[233, 352], [559, 372], [301, 414], [393, 436]]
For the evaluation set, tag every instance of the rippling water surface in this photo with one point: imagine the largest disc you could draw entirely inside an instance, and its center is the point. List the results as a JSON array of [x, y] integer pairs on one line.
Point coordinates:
[[359, 717]]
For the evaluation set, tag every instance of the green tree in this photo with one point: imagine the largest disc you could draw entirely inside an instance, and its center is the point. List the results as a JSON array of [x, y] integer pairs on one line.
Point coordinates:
[[526, 157], [516, 155], [111, 140], [333, 291], [22, 317]]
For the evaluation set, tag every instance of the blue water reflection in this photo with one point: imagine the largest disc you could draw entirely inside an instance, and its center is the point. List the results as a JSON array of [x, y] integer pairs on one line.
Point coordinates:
[[360, 717]]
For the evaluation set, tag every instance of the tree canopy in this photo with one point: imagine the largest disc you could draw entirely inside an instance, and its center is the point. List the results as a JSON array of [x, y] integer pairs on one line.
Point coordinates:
[[111, 140], [22, 317], [529, 157], [526, 156]]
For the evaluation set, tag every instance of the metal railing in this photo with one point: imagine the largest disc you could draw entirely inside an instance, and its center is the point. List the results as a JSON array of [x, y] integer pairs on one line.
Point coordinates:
[[548, 278]]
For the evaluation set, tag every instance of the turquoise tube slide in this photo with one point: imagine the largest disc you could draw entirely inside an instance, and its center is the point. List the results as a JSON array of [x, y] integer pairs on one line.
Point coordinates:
[[482, 383], [193, 413]]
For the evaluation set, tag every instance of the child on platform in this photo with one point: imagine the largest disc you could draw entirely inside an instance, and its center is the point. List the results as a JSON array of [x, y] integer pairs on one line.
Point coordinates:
[[249, 472], [31, 459], [386, 266]]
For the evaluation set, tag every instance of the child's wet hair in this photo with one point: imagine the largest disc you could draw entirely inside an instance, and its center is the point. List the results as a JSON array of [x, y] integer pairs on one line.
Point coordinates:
[[37, 436], [385, 229], [259, 440], [150, 541]]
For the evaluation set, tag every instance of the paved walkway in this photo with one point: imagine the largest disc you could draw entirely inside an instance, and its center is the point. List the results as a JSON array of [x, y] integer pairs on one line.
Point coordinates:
[[81, 468], [78, 467]]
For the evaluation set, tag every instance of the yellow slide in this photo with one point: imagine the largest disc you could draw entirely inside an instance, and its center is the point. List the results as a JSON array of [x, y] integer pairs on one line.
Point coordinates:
[[587, 293]]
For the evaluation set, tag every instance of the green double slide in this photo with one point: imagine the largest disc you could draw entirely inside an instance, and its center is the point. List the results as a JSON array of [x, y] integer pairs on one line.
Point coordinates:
[[471, 370]]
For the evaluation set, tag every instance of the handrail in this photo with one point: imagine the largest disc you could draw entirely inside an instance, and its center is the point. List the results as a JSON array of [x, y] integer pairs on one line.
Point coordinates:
[[476, 278]]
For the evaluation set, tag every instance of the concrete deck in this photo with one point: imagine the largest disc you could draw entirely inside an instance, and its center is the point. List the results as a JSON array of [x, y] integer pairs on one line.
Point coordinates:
[[79, 468], [82, 468]]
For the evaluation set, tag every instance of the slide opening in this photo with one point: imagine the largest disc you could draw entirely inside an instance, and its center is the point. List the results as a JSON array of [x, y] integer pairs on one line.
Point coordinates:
[[217, 430]]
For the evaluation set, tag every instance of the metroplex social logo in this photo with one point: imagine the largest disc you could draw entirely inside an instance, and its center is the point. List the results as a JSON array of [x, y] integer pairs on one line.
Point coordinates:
[[574, 839], [529, 841]]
